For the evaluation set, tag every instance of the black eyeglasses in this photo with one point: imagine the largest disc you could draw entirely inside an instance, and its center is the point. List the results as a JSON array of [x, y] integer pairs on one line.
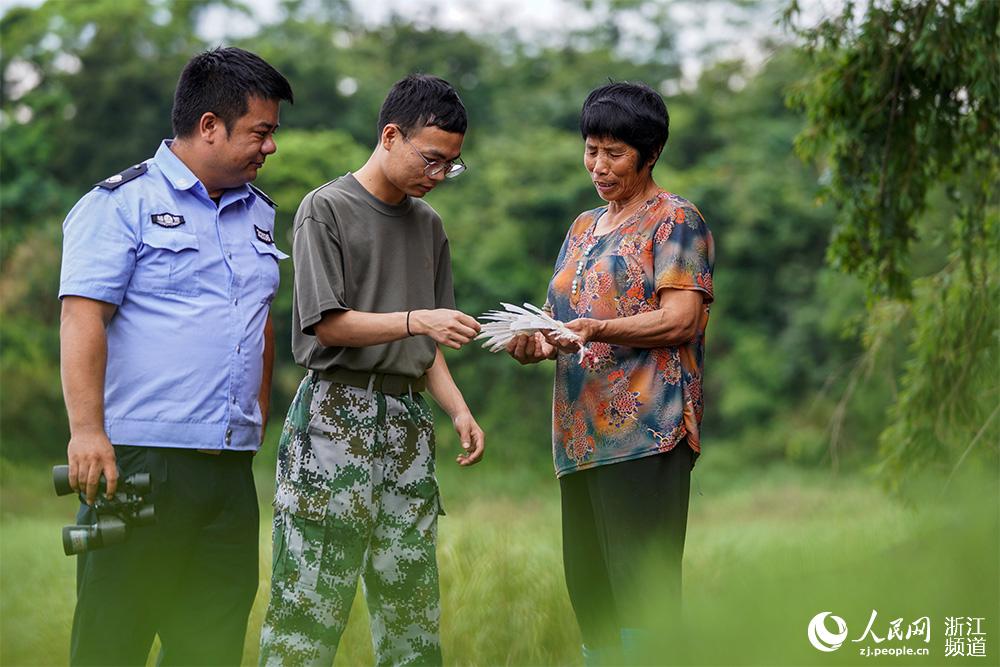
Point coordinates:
[[451, 168]]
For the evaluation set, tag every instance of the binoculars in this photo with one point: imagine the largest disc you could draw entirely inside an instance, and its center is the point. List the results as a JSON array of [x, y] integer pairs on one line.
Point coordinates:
[[115, 516]]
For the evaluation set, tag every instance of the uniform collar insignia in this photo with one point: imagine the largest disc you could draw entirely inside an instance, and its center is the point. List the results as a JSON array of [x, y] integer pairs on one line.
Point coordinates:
[[167, 219], [260, 193], [123, 177], [263, 235]]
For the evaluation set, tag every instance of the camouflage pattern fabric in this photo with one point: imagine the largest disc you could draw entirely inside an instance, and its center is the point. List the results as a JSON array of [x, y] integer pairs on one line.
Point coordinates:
[[356, 496]]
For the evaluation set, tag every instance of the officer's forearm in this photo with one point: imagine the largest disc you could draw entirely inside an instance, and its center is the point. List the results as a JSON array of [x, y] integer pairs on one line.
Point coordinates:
[[350, 328], [266, 373], [84, 354]]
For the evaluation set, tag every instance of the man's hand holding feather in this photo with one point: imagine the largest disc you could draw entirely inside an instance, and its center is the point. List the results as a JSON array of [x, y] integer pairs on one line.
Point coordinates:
[[451, 328]]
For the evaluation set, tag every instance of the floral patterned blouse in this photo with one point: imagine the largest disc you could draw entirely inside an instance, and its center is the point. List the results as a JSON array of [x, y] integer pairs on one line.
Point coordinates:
[[621, 403]]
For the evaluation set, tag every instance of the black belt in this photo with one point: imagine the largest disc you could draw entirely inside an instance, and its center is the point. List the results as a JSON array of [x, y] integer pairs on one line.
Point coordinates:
[[387, 383]]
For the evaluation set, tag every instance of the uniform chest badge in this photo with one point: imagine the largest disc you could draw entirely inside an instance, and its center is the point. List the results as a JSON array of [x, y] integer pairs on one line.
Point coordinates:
[[167, 219], [263, 235]]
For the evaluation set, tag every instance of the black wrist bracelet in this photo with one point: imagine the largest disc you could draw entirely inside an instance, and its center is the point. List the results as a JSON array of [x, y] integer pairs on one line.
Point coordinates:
[[408, 323]]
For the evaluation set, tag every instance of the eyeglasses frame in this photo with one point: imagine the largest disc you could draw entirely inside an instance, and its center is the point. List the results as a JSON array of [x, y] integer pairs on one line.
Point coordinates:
[[452, 168]]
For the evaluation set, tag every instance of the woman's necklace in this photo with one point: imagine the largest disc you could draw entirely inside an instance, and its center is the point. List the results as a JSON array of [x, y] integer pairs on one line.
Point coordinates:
[[582, 262], [646, 205]]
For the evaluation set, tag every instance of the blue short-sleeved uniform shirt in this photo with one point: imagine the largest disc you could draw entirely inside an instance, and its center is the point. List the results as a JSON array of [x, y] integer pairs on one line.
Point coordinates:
[[193, 282]]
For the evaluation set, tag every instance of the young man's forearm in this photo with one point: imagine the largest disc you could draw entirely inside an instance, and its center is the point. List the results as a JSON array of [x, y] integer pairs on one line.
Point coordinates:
[[442, 387], [351, 328]]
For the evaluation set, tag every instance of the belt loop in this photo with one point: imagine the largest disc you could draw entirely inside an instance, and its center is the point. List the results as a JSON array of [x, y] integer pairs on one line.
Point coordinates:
[[409, 390], [371, 385]]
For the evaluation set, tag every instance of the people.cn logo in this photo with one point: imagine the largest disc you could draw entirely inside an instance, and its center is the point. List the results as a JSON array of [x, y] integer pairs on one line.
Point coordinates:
[[821, 637]]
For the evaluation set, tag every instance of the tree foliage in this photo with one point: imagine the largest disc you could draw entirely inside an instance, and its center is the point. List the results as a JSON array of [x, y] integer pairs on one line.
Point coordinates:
[[903, 107], [82, 87]]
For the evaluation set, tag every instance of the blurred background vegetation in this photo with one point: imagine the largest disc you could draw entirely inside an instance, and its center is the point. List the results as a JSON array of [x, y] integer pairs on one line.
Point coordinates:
[[847, 168]]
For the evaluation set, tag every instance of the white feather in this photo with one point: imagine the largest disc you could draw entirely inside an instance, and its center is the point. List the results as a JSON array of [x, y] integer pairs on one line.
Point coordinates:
[[499, 327]]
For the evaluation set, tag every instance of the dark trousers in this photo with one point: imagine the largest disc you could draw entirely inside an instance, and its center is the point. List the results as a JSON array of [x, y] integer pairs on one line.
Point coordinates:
[[190, 578], [623, 540]]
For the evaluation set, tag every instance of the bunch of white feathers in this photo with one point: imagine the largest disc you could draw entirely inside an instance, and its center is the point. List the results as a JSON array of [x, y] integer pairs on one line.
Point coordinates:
[[501, 326]]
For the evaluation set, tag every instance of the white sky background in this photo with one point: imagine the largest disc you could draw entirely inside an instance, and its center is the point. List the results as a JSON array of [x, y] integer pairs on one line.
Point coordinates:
[[545, 22]]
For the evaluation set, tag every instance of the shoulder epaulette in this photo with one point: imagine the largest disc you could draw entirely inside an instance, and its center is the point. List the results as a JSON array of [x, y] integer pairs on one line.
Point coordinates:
[[112, 182], [260, 193]]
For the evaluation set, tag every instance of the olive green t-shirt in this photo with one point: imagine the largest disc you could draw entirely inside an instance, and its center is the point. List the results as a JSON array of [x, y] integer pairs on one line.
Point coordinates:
[[353, 251]]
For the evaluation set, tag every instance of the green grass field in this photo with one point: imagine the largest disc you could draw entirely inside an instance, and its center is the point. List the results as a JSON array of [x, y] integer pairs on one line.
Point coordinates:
[[766, 552]]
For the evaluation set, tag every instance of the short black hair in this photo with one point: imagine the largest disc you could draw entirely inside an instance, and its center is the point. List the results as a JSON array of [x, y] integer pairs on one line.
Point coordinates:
[[629, 112], [422, 100], [221, 81]]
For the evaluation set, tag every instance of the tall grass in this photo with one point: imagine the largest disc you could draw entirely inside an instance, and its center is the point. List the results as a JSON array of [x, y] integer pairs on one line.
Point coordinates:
[[765, 553]]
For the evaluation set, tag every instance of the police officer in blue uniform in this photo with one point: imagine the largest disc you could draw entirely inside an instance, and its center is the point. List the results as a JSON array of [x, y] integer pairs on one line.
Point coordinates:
[[169, 269]]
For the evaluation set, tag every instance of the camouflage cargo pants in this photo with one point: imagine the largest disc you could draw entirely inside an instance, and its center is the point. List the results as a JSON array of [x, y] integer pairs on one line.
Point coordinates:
[[356, 496]]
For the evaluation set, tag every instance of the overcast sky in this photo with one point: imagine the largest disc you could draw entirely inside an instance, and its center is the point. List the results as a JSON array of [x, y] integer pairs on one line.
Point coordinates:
[[539, 21], [545, 20]]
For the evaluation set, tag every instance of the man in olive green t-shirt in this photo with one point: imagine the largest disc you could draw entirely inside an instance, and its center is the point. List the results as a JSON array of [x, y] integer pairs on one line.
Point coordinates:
[[373, 300]]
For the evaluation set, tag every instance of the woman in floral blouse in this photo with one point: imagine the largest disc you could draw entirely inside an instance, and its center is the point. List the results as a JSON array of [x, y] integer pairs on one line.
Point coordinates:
[[634, 281]]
